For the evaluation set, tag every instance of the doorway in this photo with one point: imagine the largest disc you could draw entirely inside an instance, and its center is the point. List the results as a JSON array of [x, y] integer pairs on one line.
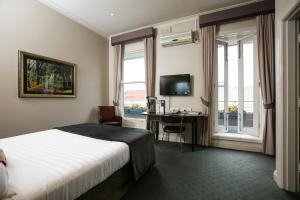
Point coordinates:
[[237, 92]]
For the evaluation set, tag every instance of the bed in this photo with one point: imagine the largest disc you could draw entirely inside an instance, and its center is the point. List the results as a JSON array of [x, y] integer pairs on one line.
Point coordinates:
[[85, 161]]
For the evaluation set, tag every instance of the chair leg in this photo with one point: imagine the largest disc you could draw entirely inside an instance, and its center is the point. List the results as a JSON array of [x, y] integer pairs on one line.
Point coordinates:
[[180, 142]]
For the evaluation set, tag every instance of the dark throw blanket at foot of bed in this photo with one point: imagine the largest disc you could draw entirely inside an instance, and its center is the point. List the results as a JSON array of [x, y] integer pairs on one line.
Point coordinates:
[[141, 143]]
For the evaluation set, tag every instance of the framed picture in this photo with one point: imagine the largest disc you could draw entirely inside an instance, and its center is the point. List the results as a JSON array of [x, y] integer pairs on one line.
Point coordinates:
[[40, 76]]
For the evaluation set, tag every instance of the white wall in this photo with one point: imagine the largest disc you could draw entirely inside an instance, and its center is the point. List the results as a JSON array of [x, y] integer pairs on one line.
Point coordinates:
[[30, 26], [177, 59], [183, 59], [173, 60], [283, 9]]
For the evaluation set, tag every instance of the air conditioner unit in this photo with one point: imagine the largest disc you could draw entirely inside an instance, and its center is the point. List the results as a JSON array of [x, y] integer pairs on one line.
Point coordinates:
[[174, 39]]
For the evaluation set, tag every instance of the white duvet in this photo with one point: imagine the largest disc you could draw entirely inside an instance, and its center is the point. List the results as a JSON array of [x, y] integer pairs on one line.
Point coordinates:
[[58, 165]]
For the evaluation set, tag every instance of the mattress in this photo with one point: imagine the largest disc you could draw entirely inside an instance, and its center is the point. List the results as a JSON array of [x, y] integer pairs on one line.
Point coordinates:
[[54, 164]]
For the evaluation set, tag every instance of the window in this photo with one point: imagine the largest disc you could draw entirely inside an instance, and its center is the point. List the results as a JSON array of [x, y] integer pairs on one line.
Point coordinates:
[[221, 87], [134, 85], [237, 91]]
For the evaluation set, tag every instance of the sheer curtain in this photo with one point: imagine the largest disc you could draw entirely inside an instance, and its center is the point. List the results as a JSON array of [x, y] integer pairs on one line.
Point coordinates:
[[118, 67], [266, 61], [208, 47]]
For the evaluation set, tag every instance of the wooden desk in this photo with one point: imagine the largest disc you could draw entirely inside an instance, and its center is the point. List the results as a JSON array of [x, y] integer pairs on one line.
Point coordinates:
[[187, 118]]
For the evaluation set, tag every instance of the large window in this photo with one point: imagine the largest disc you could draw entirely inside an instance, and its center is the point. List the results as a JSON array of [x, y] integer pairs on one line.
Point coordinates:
[[237, 90], [134, 86]]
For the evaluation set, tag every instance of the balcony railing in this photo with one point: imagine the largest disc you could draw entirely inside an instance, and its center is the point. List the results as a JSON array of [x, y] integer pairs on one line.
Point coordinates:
[[232, 118], [133, 112]]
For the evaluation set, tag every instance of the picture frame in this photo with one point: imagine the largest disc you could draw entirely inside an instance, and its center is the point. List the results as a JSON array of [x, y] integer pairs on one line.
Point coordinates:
[[44, 77]]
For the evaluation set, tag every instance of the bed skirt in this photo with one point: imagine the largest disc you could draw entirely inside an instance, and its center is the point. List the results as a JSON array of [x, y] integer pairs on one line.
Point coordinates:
[[113, 188]]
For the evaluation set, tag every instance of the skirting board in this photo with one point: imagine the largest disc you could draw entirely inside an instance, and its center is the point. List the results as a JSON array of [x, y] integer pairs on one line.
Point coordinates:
[[221, 143], [275, 177], [243, 146]]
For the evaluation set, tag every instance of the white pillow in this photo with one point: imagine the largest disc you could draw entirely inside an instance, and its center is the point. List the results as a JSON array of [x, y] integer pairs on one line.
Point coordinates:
[[3, 176], [2, 157], [3, 181]]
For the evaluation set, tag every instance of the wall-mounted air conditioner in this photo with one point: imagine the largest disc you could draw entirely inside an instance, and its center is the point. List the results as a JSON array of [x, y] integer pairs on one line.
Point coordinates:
[[174, 39]]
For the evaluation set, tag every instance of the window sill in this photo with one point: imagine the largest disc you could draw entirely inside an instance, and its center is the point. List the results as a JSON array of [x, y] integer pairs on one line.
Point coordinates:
[[134, 123], [134, 119], [237, 137]]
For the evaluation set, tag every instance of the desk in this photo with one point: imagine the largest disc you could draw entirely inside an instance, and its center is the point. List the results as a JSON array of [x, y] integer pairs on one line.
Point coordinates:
[[187, 118]]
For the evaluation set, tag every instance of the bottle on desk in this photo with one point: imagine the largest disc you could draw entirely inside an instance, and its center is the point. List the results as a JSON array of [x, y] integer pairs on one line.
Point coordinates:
[[160, 106]]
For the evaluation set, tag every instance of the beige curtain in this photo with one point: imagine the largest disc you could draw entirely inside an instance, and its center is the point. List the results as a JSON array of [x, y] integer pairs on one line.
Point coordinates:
[[266, 60], [208, 46], [150, 71], [150, 67], [118, 67]]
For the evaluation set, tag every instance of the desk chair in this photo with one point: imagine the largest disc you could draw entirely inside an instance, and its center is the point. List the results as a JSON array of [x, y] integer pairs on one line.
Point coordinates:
[[173, 124]]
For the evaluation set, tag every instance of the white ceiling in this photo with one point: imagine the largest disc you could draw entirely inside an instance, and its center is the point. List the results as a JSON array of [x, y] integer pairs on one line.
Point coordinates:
[[131, 14]]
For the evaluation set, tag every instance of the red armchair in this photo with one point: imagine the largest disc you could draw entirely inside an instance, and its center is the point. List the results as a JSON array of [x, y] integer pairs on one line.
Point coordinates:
[[107, 116]]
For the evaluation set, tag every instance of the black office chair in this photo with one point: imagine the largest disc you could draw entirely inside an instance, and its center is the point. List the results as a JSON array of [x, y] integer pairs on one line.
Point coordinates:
[[173, 124]]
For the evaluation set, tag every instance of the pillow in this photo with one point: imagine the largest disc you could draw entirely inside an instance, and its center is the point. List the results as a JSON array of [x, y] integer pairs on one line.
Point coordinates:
[[2, 157], [3, 176]]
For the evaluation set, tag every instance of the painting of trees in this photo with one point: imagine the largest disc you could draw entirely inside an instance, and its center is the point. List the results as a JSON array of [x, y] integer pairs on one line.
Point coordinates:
[[47, 76]]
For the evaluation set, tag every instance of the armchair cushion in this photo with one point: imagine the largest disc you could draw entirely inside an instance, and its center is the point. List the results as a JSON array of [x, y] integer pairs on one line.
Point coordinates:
[[112, 123]]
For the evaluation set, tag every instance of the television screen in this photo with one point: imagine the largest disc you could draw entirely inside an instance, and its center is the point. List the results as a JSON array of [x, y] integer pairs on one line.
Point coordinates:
[[175, 85]]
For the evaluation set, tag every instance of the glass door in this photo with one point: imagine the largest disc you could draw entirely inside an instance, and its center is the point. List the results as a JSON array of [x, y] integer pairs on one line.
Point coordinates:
[[221, 83], [249, 95], [233, 89], [237, 90]]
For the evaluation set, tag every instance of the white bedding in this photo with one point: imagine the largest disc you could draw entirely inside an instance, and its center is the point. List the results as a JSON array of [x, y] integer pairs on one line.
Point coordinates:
[[58, 165]]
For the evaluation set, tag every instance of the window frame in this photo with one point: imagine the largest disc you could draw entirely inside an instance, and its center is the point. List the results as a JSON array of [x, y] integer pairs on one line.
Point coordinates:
[[136, 54]]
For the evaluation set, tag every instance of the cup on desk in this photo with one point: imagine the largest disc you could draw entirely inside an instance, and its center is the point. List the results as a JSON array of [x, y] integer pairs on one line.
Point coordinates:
[[175, 110]]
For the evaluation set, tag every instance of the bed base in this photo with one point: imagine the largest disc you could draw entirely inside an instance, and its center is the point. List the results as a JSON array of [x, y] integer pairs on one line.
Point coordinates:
[[113, 188]]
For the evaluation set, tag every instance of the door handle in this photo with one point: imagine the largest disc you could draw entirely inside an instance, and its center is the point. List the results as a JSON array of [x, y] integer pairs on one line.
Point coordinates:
[[226, 121], [240, 122]]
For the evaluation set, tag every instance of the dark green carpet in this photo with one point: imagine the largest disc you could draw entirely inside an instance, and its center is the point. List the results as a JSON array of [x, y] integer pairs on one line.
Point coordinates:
[[208, 174]]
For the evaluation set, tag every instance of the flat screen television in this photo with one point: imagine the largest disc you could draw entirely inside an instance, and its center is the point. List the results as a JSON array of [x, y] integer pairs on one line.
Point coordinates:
[[175, 85]]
